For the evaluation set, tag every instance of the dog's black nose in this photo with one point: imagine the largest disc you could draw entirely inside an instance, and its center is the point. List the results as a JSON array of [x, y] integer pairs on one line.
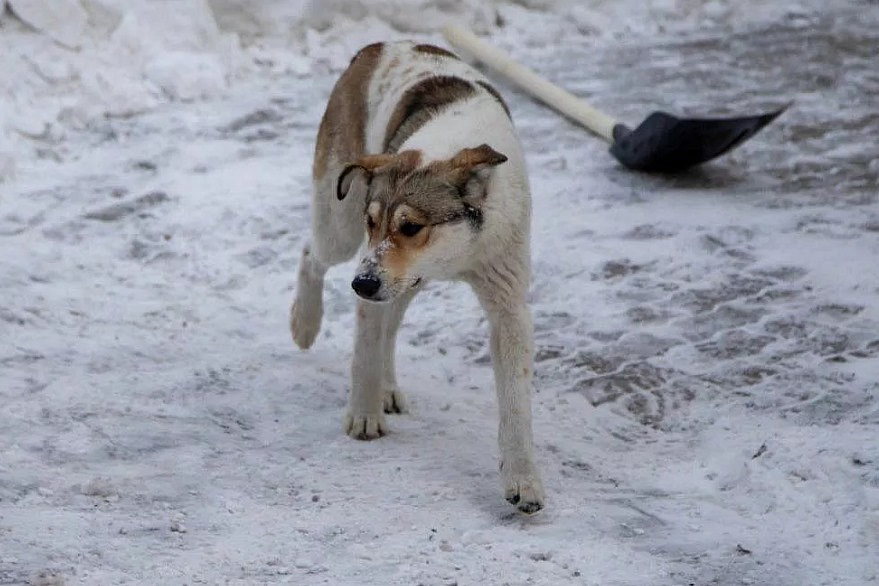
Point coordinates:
[[366, 285]]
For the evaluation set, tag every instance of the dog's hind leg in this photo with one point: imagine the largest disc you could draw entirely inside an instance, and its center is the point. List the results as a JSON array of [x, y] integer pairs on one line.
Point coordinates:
[[337, 232], [394, 400]]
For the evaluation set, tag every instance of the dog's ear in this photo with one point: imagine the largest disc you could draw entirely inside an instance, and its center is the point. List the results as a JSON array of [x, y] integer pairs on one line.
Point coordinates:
[[473, 168], [356, 176], [478, 158]]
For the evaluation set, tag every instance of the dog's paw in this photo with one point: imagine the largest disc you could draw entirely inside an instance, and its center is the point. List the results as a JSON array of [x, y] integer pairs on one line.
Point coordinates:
[[305, 318], [365, 426], [304, 325], [523, 488], [394, 401]]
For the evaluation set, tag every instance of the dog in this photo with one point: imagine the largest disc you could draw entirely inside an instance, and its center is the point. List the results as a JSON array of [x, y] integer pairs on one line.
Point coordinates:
[[417, 156]]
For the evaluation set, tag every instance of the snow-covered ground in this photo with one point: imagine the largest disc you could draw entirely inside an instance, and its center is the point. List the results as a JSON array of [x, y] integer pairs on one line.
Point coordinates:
[[707, 345]]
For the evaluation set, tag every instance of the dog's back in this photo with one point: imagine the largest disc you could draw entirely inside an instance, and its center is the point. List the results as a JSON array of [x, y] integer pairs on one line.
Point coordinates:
[[393, 95]]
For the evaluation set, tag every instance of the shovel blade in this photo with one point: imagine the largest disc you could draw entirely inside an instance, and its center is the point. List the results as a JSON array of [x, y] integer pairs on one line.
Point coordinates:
[[665, 144]]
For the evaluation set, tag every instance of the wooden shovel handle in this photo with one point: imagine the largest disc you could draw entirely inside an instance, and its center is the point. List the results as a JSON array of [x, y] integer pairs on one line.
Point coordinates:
[[550, 94]]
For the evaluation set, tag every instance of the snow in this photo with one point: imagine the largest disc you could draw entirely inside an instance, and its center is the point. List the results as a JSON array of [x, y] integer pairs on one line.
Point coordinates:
[[63, 21], [707, 348]]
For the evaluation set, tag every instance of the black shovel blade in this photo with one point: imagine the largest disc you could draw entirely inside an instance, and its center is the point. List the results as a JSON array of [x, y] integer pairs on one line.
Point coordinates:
[[664, 143]]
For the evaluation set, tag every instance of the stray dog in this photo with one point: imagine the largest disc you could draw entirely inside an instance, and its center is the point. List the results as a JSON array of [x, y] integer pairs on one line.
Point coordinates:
[[416, 153]]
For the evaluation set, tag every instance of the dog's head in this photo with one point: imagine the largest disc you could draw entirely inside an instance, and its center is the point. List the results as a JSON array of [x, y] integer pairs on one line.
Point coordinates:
[[419, 219]]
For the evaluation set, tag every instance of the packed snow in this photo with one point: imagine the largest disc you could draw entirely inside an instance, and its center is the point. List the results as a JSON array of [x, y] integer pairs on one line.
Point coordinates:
[[707, 362]]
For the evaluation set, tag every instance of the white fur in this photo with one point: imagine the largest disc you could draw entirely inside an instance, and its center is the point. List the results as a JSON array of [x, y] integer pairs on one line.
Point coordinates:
[[496, 264]]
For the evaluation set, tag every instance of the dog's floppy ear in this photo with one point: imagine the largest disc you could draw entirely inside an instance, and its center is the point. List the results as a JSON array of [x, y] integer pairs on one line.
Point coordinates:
[[352, 176], [473, 167], [356, 176]]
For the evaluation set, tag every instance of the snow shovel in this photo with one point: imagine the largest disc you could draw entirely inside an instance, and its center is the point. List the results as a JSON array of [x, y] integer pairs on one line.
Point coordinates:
[[662, 143]]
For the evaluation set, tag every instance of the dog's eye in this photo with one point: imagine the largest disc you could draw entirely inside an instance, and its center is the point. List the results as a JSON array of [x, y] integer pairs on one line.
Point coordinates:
[[410, 229], [370, 223]]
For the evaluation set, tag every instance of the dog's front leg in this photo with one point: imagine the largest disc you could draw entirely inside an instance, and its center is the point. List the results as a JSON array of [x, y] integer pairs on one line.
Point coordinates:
[[394, 399], [511, 352], [364, 419]]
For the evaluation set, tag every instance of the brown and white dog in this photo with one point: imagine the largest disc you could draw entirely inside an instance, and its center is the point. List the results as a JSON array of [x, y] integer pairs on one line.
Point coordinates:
[[418, 150]]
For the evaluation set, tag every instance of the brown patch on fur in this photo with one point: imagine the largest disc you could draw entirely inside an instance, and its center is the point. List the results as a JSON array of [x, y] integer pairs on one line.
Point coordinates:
[[403, 250], [437, 193], [497, 96], [400, 250], [432, 195], [481, 155], [398, 257], [402, 162], [343, 126], [422, 102], [368, 166], [365, 51], [455, 188], [434, 50]]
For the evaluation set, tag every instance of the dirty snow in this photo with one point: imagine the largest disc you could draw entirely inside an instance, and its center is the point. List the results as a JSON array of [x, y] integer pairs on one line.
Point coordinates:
[[707, 345]]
